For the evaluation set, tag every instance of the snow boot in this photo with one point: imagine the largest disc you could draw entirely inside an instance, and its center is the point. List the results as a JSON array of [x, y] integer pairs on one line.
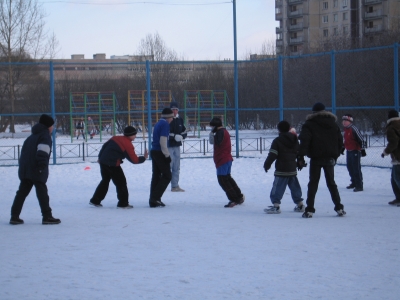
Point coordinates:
[[16, 221], [50, 221]]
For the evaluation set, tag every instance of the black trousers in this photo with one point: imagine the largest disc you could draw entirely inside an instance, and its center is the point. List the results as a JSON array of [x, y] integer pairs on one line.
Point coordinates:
[[161, 175], [315, 174], [230, 187], [116, 174], [25, 188]]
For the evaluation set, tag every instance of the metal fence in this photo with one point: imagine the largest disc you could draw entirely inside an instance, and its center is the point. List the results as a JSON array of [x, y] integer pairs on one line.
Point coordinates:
[[363, 82]]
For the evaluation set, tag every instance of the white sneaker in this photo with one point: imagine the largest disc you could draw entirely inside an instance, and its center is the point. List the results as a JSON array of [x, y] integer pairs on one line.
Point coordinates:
[[177, 189], [272, 210], [300, 208]]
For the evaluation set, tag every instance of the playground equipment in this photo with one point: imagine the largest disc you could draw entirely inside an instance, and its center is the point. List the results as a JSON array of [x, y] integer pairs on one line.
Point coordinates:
[[202, 105], [137, 107], [97, 110]]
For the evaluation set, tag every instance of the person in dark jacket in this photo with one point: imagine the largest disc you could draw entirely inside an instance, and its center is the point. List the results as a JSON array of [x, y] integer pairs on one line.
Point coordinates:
[[110, 159], [354, 145], [34, 171], [177, 133], [321, 140], [284, 151], [393, 149], [220, 138]]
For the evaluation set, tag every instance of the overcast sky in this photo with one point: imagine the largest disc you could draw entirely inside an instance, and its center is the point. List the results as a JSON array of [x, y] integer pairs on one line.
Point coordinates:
[[195, 29]]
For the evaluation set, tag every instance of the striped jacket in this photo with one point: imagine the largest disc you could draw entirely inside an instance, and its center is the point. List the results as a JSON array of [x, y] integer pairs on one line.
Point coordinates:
[[353, 139]]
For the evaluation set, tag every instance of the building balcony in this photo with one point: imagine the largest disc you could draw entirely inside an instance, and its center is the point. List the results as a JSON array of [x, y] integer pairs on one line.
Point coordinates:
[[279, 50], [295, 41], [375, 28], [278, 30], [279, 43], [377, 14], [296, 53], [292, 2], [295, 27], [295, 14], [278, 3], [278, 16], [372, 2]]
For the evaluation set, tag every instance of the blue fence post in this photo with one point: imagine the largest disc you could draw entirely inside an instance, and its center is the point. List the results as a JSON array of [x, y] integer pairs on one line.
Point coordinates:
[[148, 97], [396, 75], [235, 78], [53, 111], [280, 70], [333, 81]]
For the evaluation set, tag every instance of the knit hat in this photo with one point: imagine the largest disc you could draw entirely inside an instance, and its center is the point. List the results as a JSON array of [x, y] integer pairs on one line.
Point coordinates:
[[174, 105], [129, 131], [318, 107], [348, 117], [167, 113], [46, 120], [393, 114], [283, 126], [216, 122]]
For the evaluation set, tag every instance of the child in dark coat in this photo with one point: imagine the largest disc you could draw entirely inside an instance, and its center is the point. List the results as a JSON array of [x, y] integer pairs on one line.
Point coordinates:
[[284, 151], [34, 171]]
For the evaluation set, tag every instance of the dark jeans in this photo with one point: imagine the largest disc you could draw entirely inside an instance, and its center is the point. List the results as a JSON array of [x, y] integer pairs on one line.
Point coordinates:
[[230, 187], [116, 174], [24, 189], [395, 180], [315, 174], [354, 167], [161, 175]]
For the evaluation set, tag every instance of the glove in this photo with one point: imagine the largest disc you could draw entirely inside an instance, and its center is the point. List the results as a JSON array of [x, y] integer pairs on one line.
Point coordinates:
[[363, 153], [342, 151], [382, 155], [266, 167], [301, 163], [168, 159], [178, 138]]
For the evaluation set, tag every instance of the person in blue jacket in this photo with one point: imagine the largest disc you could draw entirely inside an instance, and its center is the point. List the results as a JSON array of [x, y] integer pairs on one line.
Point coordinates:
[[34, 171], [110, 159]]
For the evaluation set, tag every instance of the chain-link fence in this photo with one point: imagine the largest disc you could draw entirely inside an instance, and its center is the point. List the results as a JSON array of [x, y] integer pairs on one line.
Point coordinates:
[[109, 94]]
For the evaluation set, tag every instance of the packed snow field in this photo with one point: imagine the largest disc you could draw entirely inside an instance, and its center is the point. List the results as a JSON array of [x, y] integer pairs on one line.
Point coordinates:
[[194, 248]]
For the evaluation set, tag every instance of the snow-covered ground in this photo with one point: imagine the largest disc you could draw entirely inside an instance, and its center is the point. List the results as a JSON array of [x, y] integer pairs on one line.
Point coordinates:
[[194, 248]]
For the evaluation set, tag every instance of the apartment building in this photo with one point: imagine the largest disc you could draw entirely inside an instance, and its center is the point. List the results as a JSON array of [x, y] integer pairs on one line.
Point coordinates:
[[303, 24]]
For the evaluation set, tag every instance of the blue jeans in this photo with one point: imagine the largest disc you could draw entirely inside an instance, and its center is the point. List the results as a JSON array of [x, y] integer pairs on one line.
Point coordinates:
[[175, 153], [279, 187], [395, 181], [354, 167]]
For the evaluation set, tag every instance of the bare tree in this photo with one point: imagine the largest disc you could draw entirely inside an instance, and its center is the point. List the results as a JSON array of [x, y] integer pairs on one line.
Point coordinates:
[[154, 45], [22, 37]]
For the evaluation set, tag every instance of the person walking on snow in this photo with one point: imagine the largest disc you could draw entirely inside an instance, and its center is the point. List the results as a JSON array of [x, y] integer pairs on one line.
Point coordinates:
[[321, 140], [393, 149], [160, 159], [110, 159], [284, 151], [34, 171], [354, 145], [177, 133], [220, 138]]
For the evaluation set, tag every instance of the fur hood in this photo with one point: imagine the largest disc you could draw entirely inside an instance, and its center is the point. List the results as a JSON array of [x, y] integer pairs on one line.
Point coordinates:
[[392, 119], [323, 113]]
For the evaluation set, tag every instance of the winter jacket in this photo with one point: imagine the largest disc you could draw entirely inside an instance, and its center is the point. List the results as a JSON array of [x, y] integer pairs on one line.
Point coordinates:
[[116, 149], [353, 139], [393, 138], [320, 137], [176, 127], [284, 151], [222, 146], [35, 155]]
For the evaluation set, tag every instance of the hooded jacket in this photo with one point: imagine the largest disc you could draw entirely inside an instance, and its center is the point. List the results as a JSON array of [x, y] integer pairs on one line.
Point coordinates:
[[320, 136], [393, 138], [284, 151], [35, 155]]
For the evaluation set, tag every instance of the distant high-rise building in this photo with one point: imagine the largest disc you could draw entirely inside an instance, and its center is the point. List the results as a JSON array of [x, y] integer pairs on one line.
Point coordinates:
[[303, 24]]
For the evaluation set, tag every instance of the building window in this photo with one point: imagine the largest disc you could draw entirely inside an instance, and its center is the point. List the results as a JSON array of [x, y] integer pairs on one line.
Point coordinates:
[[279, 36], [335, 18], [345, 30], [335, 3], [324, 5], [324, 19], [335, 31], [325, 32], [344, 3], [345, 16]]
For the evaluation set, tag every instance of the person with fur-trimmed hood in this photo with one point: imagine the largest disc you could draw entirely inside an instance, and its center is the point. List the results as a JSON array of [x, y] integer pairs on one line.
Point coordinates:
[[284, 150], [110, 159], [34, 171], [393, 149], [220, 138], [321, 140]]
